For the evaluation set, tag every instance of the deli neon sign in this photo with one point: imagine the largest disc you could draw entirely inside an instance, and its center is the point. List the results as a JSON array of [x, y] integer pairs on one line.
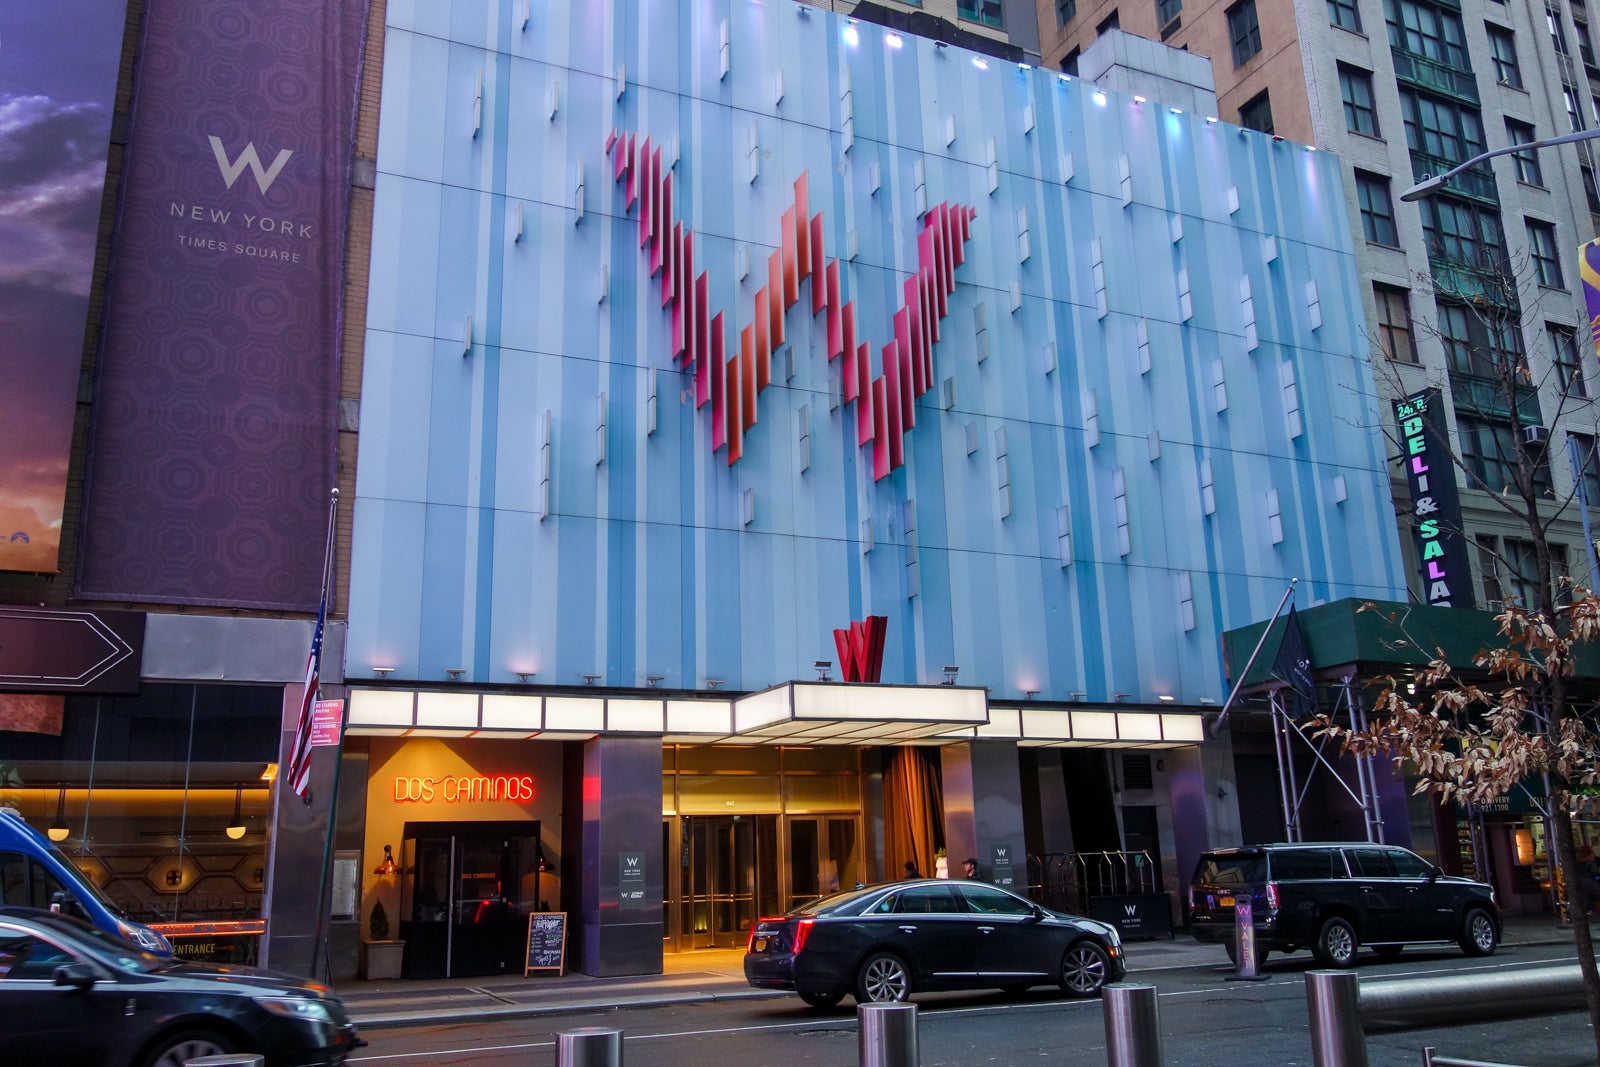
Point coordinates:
[[463, 789]]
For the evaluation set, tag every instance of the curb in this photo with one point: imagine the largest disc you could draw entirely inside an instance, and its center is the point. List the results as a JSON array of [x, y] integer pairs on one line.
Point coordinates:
[[435, 1016], [426, 1017]]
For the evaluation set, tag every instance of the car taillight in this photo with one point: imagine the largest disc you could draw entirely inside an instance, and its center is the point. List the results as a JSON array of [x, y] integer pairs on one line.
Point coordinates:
[[1272, 895], [1191, 898], [802, 931]]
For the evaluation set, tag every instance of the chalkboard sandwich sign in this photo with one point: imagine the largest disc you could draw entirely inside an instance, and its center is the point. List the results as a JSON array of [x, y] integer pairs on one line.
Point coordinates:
[[547, 942]]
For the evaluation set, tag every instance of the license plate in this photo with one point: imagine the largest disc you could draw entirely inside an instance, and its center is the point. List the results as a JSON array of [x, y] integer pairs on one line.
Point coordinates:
[[761, 944], [1224, 902]]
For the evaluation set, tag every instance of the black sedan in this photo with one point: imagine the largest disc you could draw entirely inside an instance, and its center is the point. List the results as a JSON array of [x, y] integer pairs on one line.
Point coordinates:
[[889, 941], [72, 995]]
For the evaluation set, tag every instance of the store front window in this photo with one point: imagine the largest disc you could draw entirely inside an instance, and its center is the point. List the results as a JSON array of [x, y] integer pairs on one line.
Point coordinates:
[[161, 799]]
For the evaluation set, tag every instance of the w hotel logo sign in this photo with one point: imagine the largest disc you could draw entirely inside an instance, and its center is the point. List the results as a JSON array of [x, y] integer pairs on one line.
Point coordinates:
[[732, 381], [232, 168], [861, 649]]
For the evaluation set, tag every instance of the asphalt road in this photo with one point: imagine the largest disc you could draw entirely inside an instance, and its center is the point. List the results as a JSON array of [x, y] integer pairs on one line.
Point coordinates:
[[1205, 1020]]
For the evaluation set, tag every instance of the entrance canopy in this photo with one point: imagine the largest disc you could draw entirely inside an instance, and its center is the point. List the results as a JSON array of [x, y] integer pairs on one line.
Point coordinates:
[[796, 713]]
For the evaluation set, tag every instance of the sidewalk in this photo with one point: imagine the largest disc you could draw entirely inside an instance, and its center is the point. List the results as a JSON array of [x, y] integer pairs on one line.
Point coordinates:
[[709, 975]]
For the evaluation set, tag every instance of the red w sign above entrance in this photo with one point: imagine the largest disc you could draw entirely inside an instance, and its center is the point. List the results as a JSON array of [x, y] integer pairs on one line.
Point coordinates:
[[731, 381], [861, 649]]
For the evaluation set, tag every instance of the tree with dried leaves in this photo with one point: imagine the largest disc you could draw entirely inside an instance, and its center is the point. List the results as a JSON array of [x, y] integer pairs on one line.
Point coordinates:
[[1470, 733], [1472, 737]]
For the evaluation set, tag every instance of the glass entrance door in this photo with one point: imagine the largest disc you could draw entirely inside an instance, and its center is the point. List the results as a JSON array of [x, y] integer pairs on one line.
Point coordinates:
[[468, 889], [728, 875], [823, 857]]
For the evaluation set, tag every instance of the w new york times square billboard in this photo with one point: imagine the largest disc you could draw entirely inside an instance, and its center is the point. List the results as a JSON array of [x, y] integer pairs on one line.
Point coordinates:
[[58, 75], [212, 442]]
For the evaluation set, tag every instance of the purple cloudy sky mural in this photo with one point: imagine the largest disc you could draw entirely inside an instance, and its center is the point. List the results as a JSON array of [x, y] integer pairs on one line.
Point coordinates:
[[58, 72]]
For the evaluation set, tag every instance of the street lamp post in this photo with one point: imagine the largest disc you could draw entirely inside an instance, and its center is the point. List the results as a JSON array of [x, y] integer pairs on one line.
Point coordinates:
[[1429, 186]]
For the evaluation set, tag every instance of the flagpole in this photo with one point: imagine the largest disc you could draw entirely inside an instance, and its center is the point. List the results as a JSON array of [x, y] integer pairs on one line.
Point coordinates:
[[338, 765], [1216, 727]]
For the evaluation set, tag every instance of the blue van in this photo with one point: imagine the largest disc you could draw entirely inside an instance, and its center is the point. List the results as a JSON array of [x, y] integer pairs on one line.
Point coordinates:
[[35, 874]]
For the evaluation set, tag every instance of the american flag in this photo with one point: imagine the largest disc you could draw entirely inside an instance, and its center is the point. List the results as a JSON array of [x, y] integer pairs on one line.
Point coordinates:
[[300, 755]]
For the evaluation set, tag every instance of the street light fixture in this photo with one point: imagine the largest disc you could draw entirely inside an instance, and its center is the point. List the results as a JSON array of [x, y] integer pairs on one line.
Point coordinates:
[[1429, 186]]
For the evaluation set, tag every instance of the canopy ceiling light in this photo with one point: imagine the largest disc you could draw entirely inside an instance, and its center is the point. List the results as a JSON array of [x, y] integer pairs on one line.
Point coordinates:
[[236, 828], [58, 830]]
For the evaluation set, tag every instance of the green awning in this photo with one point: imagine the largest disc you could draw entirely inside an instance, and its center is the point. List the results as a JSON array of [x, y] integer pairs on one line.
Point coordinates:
[[1388, 638]]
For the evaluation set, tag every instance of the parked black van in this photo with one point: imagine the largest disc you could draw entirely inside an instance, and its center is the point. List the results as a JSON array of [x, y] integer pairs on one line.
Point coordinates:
[[1335, 897]]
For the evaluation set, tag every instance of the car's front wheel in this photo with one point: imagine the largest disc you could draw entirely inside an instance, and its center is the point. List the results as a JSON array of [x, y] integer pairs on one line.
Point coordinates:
[[1083, 969], [883, 978], [175, 1050], [1478, 934], [1336, 943], [822, 1000]]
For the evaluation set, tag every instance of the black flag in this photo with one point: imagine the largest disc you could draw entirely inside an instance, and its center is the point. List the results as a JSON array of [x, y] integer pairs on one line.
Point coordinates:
[[1293, 666]]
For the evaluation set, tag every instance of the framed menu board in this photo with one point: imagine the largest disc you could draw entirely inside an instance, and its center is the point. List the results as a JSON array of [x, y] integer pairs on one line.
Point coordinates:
[[547, 942]]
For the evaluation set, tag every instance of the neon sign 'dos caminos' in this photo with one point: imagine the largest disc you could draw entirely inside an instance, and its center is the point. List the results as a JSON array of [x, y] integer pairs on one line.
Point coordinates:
[[463, 789]]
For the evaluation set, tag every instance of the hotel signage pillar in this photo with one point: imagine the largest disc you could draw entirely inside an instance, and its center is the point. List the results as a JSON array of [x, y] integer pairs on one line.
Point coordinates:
[[1436, 510]]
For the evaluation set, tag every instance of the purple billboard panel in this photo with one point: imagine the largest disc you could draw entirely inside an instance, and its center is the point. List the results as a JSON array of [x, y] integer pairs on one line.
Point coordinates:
[[214, 432], [58, 77]]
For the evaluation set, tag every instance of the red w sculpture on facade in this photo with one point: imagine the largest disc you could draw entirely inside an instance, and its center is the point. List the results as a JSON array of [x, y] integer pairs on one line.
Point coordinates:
[[861, 649], [732, 382]]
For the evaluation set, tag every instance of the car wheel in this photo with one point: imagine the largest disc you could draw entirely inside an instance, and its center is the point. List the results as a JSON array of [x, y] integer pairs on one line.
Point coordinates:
[[1336, 943], [1387, 952], [1083, 969], [883, 978], [1478, 934], [1233, 953], [175, 1050], [822, 1000]]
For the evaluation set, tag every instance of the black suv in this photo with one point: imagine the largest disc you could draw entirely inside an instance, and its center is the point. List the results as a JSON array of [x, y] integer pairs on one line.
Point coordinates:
[[1333, 898]]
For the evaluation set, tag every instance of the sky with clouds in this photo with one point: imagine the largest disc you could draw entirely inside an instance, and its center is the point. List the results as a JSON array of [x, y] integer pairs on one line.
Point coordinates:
[[58, 72]]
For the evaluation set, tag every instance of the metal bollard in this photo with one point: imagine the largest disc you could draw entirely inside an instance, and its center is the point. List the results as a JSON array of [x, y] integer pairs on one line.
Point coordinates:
[[1333, 1000], [589, 1046], [227, 1059], [1133, 1025], [888, 1035]]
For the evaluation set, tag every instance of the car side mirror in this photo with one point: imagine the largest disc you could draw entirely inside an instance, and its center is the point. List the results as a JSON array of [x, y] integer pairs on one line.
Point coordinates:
[[1038, 914], [1435, 873], [78, 975]]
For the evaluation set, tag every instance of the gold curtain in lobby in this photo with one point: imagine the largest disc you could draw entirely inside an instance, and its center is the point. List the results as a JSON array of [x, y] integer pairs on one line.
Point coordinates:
[[913, 809]]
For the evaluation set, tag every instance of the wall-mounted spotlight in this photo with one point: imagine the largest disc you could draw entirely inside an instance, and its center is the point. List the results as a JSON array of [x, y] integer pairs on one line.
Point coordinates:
[[980, 62], [523, 676], [455, 673], [950, 675], [823, 666], [652, 680], [1120, 697], [893, 40], [1137, 99], [1208, 700], [713, 683], [387, 867], [383, 672], [1030, 693], [1076, 696], [590, 679], [1166, 698]]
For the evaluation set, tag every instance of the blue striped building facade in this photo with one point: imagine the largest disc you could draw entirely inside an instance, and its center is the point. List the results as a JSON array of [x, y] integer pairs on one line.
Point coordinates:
[[1151, 403]]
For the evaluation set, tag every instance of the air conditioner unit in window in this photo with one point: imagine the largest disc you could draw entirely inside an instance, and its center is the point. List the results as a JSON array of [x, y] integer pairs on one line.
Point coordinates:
[[1535, 437]]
